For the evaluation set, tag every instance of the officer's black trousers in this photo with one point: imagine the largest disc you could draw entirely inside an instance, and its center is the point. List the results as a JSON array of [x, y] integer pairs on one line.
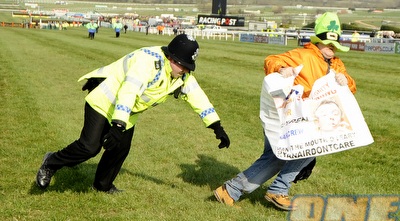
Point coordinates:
[[89, 145]]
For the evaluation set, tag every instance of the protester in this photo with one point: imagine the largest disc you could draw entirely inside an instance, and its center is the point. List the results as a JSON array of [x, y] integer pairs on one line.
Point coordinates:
[[318, 57], [118, 93]]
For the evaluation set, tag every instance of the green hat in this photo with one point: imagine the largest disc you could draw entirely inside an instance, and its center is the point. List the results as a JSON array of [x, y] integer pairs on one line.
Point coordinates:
[[327, 30]]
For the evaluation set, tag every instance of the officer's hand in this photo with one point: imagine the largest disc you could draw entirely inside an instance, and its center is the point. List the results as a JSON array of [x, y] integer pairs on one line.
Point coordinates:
[[113, 138], [220, 134], [287, 72], [341, 79]]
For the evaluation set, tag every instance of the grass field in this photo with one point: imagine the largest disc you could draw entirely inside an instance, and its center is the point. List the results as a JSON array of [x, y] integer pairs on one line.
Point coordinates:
[[174, 163]]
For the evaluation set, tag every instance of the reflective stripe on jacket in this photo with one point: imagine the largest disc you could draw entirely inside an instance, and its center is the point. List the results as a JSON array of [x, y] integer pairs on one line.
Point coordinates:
[[141, 80], [314, 66]]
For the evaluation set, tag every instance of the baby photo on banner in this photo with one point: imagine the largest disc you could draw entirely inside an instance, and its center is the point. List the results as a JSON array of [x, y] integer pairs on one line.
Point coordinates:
[[326, 122]]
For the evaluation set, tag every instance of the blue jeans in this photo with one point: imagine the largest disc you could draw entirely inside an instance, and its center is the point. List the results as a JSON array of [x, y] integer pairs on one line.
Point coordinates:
[[263, 169]]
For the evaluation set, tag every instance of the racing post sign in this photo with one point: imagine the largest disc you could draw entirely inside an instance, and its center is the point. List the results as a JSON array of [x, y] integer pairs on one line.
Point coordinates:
[[220, 20], [326, 122]]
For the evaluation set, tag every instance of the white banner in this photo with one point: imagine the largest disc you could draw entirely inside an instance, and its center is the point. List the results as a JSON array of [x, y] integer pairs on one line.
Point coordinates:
[[326, 122]]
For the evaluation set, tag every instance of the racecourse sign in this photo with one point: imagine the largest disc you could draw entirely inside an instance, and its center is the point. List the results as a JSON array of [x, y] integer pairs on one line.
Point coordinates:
[[263, 38], [220, 20], [387, 48]]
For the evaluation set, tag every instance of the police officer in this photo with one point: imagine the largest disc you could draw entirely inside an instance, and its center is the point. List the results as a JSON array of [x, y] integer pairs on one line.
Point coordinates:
[[118, 27], [118, 93], [92, 27]]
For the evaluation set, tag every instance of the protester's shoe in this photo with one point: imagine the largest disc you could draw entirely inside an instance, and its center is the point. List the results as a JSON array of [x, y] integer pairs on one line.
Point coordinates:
[[112, 190], [222, 195], [280, 201], [43, 176]]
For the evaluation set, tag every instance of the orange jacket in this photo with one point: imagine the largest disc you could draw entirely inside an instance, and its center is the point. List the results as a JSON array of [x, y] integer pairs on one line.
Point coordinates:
[[314, 66]]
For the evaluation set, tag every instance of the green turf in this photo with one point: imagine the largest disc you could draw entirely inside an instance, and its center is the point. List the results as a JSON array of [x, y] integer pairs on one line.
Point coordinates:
[[174, 163]]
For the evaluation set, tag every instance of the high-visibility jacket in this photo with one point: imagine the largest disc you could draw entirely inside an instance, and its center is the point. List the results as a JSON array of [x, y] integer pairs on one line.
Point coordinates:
[[117, 26], [141, 80], [355, 37], [314, 63], [91, 26]]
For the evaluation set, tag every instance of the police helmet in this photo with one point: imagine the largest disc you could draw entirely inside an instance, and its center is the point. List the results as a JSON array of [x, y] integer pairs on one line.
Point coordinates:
[[184, 50]]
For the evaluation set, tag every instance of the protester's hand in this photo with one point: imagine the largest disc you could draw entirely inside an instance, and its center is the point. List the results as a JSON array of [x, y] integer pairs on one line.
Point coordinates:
[[220, 134], [287, 72], [113, 137], [341, 79]]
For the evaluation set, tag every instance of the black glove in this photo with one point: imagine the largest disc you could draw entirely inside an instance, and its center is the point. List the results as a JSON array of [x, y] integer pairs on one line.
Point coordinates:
[[114, 136], [306, 171], [220, 134], [92, 83]]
